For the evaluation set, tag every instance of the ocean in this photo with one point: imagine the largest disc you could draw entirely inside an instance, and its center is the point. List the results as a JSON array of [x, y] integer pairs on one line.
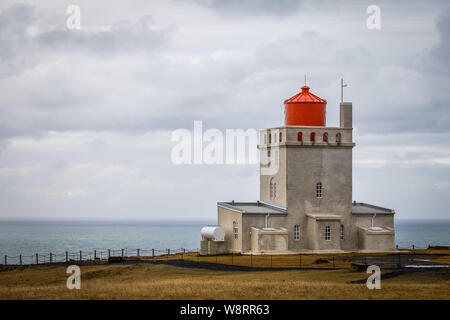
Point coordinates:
[[43, 237]]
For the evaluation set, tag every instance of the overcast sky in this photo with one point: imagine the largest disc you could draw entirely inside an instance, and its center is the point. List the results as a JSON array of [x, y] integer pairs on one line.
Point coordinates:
[[86, 115]]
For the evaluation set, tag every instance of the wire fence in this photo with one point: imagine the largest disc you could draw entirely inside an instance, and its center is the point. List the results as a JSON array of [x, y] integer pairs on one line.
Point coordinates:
[[94, 255], [246, 260]]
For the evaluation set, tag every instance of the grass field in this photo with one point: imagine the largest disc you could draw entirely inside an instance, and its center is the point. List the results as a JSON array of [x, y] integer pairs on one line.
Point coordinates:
[[150, 281]]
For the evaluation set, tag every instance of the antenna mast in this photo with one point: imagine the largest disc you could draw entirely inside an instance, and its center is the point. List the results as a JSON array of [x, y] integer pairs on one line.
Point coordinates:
[[343, 85]]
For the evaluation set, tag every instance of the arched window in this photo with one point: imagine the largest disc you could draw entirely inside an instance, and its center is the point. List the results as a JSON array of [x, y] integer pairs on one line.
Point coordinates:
[[319, 190], [300, 136], [325, 137], [342, 232], [338, 137], [296, 232], [312, 136], [327, 233], [281, 136], [235, 230], [273, 188], [270, 138]]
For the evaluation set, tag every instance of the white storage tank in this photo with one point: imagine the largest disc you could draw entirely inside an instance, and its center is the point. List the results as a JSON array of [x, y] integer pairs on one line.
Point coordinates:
[[215, 233]]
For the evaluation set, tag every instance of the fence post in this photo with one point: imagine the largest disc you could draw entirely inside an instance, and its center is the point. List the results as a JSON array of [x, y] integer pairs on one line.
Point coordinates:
[[50, 257], [109, 253], [37, 258], [20, 259], [138, 252], [81, 256], [122, 252]]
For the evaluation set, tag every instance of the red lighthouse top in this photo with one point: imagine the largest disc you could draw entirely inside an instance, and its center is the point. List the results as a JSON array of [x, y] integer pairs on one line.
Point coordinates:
[[305, 96], [305, 109]]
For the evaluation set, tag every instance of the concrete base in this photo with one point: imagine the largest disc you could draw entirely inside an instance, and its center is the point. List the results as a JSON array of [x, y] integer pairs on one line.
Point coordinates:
[[211, 247], [381, 239]]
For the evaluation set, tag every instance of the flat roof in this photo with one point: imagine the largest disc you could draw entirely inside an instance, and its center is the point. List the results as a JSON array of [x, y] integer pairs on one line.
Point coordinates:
[[258, 207], [365, 208]]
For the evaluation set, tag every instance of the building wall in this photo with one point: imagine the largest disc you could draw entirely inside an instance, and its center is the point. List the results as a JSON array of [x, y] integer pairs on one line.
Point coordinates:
[[258, 221], [316, 234], [225, 218], [277, 163], [381, 220], [262, 240], [302, 165], [376, 241]]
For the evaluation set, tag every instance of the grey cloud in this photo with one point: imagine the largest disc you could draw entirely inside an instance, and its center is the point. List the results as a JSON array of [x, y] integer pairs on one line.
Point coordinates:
[[252, 7], [440, 54], [121, 37], [14, 40]]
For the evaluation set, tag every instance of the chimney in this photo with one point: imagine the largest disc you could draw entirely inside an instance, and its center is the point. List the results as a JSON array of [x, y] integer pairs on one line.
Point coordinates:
[[346, 120]]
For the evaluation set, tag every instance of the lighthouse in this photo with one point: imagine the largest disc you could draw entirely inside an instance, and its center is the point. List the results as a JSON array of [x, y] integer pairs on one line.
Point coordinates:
[[305, 204]]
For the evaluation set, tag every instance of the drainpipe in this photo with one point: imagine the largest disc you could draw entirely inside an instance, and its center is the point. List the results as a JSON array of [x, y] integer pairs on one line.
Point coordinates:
[[373, 219], [267, 218]]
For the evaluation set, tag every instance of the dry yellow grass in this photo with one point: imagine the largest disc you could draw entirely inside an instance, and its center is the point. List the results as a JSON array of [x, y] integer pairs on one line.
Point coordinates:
[[147, 281], [336, 260]]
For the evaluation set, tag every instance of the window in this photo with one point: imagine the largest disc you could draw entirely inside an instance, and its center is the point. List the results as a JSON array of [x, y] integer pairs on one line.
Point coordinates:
[[338, 137], [325, 137], [281, 136], [270, 138], [319, 190], [327, 233], [296, 232], [235, 230], [342, 232], [300, 136], [268, 154], [312, 136], [273, 189]]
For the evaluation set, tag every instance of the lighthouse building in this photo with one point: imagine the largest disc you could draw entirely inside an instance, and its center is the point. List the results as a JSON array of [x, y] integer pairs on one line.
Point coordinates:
[[305, 191]]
